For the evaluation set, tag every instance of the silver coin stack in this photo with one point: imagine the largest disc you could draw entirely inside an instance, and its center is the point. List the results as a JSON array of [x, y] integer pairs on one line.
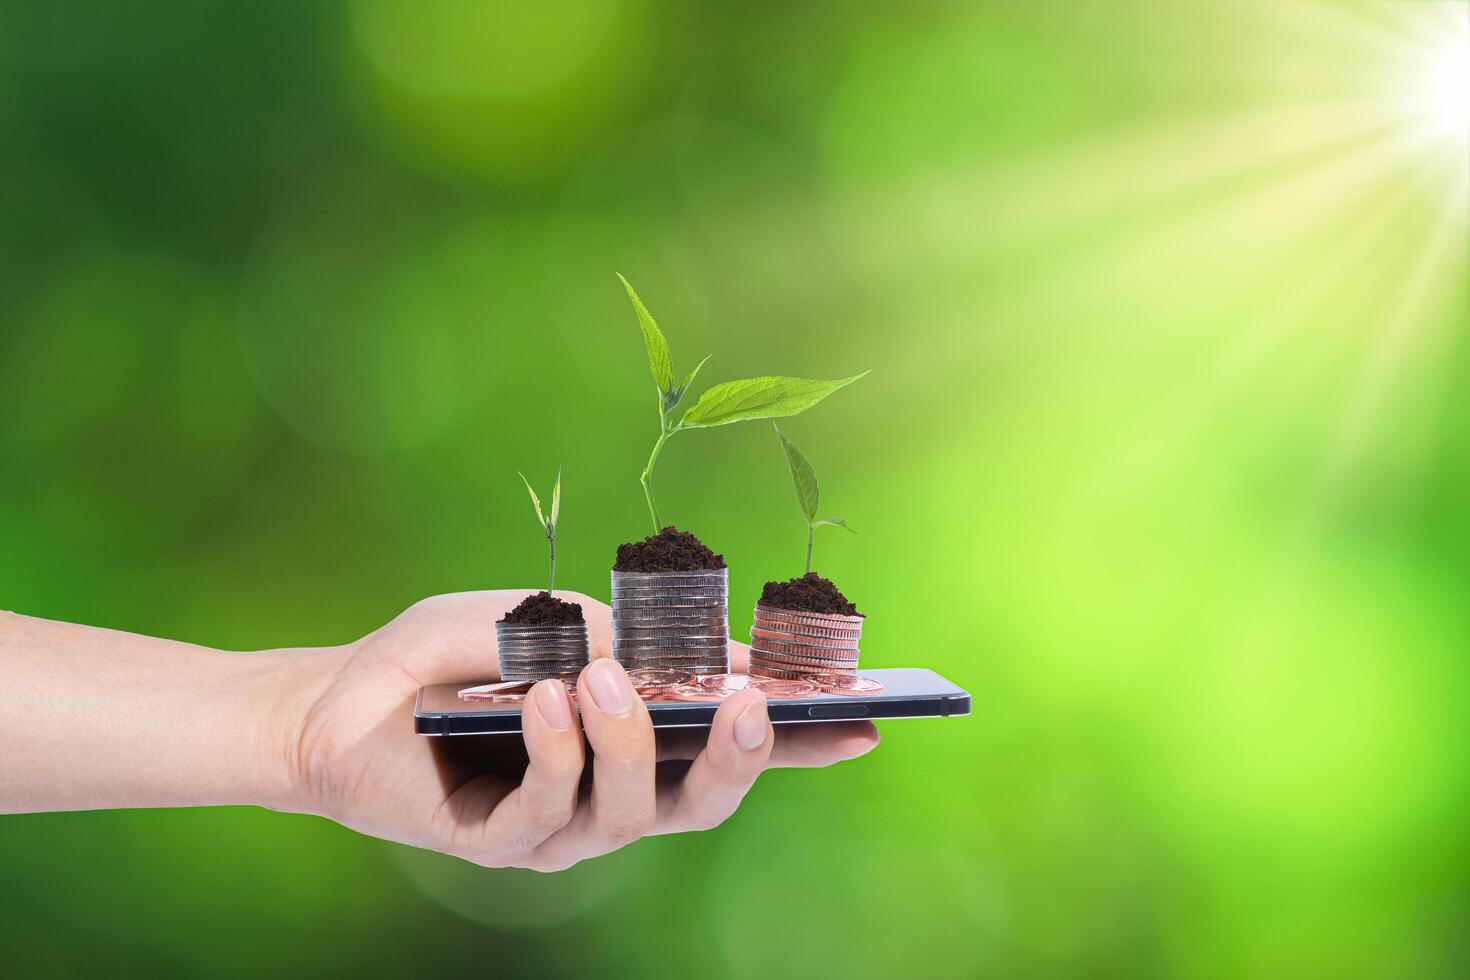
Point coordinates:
[[530, 652], [791, 644], [672, 619]]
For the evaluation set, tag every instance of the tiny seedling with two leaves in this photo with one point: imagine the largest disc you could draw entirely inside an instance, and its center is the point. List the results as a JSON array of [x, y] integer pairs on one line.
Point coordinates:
[[807, 494], [549, 526], [731, 401]]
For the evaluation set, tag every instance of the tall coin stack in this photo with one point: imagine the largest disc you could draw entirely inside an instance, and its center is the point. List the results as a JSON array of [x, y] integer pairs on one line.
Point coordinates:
[[792, 644], [531, 652], [672, 619]]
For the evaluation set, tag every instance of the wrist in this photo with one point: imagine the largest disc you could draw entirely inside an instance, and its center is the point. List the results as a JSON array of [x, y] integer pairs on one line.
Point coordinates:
[[286, 685]]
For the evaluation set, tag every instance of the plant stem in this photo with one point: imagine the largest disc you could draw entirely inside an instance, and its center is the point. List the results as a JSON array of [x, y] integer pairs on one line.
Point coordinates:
[[811, 529], [551, 580], [647, 476]]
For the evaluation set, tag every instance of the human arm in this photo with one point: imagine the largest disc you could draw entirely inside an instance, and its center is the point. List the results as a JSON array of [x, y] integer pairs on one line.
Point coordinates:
[[94, 718]]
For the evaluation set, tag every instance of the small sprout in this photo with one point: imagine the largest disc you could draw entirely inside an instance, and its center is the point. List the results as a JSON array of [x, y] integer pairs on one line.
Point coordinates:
[[807, 494], [549, 526], [732, 401]]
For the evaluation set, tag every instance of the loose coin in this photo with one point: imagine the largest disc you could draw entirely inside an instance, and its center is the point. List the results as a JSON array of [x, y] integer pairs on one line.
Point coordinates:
[[780, 688], [657, 677], [483, 692], [728, 683], [694, 692], [845, 683]]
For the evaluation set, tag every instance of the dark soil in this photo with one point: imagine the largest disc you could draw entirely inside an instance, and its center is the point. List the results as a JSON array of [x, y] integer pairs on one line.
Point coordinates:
[[810, 593], [544, 609], [670, 550]]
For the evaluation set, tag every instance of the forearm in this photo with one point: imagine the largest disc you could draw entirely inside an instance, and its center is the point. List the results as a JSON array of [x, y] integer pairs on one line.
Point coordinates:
[[93, 718]]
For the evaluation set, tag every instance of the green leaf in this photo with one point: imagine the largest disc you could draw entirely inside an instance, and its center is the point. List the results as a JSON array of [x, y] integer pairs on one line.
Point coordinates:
[[759, 398], [802, 475], [534, 499], [556, 499], [672, 399], [835, 522], [659, 360]]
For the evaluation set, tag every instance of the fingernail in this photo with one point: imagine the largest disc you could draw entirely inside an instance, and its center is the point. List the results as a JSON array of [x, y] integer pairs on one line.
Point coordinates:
[[609, 686], [750, 727], [551, 701]]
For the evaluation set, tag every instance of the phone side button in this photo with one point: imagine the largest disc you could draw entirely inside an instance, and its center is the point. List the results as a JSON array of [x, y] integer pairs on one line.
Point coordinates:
[[837, 711]]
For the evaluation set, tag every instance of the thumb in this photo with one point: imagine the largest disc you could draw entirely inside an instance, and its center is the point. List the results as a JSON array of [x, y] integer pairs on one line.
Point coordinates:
[[451, 638]]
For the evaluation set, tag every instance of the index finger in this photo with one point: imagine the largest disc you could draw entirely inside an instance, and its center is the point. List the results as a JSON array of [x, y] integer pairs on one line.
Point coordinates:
[[805, 746]]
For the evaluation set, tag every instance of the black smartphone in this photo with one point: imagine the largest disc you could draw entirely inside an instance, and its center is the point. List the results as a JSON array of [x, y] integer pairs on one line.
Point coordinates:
[[908, 692]]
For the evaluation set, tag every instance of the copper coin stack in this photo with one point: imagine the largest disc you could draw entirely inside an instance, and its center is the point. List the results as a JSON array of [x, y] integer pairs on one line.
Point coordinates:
[[672, 619], [529, 653], [791, 644]]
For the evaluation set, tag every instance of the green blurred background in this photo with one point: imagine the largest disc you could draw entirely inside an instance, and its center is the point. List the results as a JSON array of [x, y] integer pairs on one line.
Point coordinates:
[[1163, 455]]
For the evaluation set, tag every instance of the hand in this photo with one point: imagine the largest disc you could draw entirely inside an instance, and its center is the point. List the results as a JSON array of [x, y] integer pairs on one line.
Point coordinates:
[[499, 801]]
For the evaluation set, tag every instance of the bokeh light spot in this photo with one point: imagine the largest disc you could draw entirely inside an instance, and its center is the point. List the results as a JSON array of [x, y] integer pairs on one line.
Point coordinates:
[[500, 92], [461, 46], [514, 898]]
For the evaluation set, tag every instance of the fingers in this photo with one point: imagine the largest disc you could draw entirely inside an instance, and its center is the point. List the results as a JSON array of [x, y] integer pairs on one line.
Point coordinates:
[[544, 824], [739, 658], [546, 799], [740, 740], [621, 736], [805, 746], [623, 804], [814, 746]]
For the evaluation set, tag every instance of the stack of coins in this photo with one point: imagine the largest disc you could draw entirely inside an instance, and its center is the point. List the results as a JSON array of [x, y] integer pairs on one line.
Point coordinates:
[[529, 653], [791, 644], [672, 619]]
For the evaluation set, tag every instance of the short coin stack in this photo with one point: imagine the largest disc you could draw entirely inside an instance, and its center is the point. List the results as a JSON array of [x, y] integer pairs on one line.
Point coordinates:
[[672, 619], [530, 652], [793, 644]]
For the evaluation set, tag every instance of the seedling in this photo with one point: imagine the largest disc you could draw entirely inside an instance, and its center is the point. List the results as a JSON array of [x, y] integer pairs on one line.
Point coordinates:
[[549, 526], [807, 494], [731, 401]]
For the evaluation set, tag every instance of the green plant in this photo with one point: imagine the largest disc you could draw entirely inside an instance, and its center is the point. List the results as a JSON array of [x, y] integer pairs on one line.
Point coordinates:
[[549, 526], [731, 401], [807, 494]]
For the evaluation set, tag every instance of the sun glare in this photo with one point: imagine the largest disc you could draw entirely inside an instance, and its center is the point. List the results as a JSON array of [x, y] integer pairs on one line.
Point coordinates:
[[1444, 91]]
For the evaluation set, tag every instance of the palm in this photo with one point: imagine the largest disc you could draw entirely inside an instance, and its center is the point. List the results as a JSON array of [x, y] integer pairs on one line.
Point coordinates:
[[377, 774]]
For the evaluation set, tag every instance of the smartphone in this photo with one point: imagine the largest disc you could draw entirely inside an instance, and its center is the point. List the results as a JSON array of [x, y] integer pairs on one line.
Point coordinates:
[[908, 692]]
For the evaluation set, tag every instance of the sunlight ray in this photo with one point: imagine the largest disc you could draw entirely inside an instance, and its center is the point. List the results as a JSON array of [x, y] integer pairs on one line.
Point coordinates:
[[1406, 326], [1033, 199], [1169, 430]]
